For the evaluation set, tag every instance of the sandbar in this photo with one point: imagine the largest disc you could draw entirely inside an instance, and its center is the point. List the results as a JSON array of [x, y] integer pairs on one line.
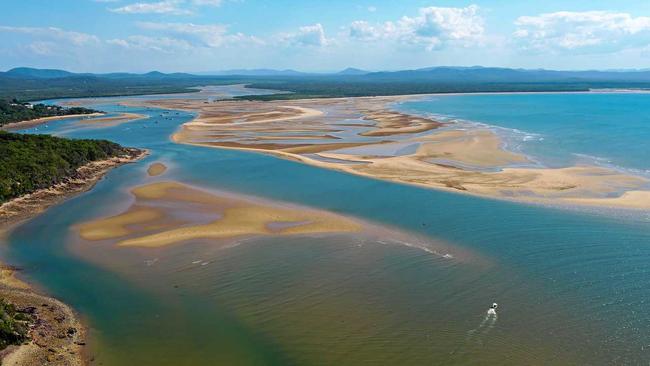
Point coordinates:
[[156, 169], [374, 140], [113, 120], [166, 213]]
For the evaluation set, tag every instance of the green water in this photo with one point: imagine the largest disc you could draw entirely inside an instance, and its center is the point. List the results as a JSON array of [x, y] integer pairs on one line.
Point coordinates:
[[572, 286]]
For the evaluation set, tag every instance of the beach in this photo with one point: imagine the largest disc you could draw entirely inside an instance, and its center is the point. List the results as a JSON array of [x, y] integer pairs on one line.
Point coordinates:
[[40, 121], [367, 136]]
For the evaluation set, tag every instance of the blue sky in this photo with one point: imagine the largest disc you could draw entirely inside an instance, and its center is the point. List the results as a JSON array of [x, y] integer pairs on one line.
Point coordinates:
[[211, 35]]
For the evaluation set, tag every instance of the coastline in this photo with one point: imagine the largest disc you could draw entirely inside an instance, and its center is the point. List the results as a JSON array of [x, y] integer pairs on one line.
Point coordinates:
[[39, 121], [25, 207], [58, 336], [472, 161]]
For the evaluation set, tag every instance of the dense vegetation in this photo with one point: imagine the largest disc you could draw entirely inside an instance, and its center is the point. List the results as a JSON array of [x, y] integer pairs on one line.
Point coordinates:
[[324, 88], [32, 162], [15, 111], [29, 88], [13, 325]]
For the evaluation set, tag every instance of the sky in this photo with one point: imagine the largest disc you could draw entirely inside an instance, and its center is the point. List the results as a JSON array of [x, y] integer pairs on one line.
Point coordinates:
[[322, 36]]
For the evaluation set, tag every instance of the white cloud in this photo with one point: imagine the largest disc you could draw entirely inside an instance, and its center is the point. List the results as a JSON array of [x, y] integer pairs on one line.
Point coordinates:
[[52, 33], [362, 30], [159, 44], [42, 48], [161, 7], [199, 35], [206, 2], [309, 35], [595, 31], [434, 27]]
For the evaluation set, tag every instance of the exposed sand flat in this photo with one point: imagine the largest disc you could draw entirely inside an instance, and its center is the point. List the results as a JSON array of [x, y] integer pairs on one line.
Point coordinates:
[[395, 123], [630, 199], [156, 169], [149, 223], [391, 145], [295, 137], [116, 226], [477, 147], [113, 120]]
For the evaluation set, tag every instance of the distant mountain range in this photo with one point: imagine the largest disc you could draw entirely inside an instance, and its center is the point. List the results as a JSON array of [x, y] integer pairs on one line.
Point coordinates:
[[430, 74], [32, 73], [27, 83]]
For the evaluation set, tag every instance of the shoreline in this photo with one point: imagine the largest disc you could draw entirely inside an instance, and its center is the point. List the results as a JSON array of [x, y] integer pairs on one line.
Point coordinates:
[[58, 336], [480, 163], [26, 207], [13, 126], [624, 202]]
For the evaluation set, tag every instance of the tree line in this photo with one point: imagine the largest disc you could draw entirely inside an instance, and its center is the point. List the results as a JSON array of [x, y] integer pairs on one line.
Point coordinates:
[[15, 111], [32, 162]]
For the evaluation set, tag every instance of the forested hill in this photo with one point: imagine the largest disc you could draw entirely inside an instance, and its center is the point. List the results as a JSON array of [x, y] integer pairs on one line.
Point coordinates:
[[14, 111], [32, 162]]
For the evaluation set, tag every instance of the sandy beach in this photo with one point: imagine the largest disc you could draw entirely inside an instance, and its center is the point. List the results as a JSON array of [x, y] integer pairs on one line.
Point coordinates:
[[40, 121], [365, 136]]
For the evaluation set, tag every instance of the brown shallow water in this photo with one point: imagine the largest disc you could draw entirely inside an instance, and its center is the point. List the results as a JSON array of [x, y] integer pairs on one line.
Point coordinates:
[[344, 299], [345, 293]]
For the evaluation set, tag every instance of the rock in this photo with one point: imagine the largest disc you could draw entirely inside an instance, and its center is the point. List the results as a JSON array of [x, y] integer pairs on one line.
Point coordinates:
[[27, 310]]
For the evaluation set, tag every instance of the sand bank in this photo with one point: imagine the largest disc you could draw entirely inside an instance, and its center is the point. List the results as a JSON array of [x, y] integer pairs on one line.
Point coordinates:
[[39, 121], [156, 169], [113, 120], [374, 141], [189, 213]]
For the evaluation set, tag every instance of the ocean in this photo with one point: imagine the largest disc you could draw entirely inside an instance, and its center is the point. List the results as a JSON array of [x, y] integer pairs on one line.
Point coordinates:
[[572, 286]]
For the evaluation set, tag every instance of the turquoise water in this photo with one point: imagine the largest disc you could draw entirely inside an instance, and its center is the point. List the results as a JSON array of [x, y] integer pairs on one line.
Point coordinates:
[[572, 286], [560, 129]]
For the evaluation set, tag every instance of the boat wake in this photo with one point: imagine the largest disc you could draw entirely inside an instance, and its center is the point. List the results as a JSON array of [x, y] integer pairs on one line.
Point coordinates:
[[477, 335]]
